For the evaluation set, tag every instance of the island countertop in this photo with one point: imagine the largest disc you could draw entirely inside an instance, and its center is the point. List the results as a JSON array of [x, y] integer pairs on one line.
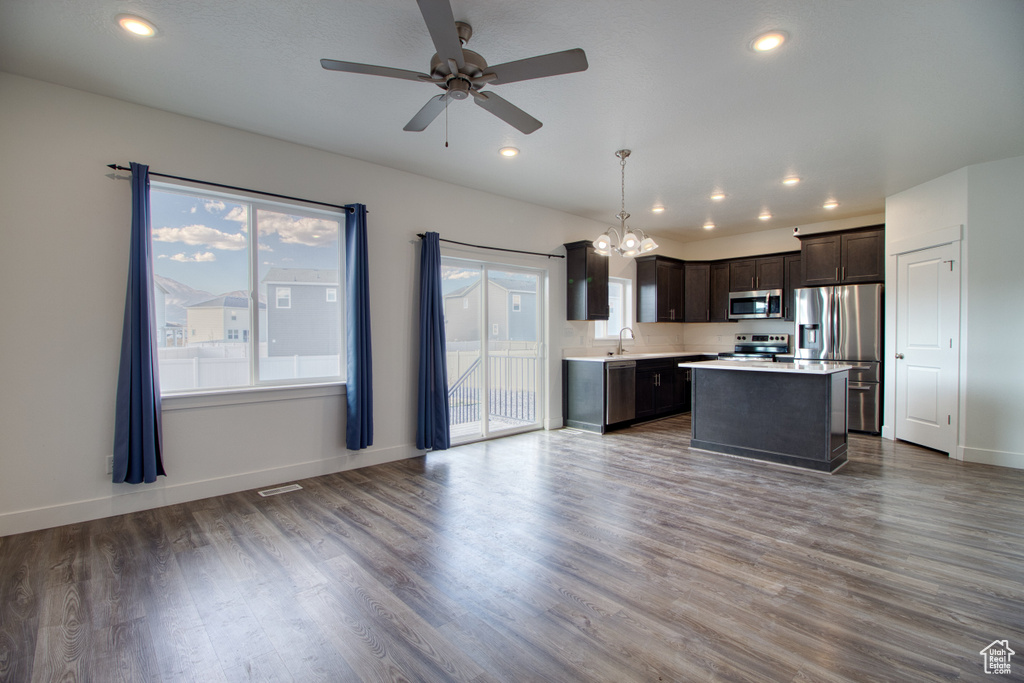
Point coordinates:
[[807, 368]]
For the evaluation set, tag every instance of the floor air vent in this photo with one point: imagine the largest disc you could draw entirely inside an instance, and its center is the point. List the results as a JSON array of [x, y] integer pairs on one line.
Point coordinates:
[[280, 489]]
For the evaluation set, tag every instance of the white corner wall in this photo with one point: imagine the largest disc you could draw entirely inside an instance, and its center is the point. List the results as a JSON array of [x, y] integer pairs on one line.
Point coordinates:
[[63, 270], [987, 202]]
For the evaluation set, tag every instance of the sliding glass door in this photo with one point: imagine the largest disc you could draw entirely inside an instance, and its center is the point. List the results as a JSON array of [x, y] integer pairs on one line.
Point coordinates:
[[493, 330]]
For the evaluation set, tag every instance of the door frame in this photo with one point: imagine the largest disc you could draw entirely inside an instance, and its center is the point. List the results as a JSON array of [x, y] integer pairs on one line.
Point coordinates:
[[542, 383], [949, 235]]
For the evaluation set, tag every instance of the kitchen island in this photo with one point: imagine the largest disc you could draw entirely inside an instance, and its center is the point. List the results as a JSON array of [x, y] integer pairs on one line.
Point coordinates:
[[788, 413]]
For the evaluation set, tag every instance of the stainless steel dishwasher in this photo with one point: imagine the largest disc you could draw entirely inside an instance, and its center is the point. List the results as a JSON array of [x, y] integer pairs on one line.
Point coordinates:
[[620, 388]]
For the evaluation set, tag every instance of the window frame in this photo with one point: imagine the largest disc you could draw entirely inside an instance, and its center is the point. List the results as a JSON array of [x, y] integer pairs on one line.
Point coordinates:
[[256, 390], [278, 298], [601, 330]]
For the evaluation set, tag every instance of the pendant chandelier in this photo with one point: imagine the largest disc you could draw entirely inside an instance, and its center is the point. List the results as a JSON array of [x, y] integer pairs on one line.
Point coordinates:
[[625, 240]]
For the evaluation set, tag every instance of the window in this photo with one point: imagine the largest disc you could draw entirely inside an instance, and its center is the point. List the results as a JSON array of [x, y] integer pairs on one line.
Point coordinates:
[[284, 297], [620, 309], [517, 303], [259, 266]]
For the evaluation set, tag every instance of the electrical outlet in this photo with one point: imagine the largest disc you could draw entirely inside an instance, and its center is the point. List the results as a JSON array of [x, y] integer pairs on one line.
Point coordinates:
[[110, 464]]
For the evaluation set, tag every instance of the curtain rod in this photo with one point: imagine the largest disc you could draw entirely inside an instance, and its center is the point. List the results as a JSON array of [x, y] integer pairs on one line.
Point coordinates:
[[480, 246], [347, 209]]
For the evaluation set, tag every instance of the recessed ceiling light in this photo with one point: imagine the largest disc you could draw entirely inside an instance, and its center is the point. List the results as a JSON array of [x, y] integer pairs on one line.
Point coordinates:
[[765, 216], [136, 25], [830, 204], [768, 41], [658, 209], [717, 196], [790, 180], [508, 151], [709, 226]]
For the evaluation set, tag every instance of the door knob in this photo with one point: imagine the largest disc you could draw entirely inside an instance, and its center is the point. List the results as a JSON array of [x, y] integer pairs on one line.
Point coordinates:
[[899, 356]]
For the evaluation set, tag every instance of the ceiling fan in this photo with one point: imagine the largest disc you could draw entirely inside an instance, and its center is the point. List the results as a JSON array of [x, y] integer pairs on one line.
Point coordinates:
[[462, 73]]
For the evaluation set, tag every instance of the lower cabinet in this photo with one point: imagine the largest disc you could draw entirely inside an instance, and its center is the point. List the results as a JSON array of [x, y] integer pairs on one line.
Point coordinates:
[[655, 388], [662, 388]]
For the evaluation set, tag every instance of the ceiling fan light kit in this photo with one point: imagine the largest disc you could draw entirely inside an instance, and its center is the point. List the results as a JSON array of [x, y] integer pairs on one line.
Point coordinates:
[[625, 241], [462, 73]]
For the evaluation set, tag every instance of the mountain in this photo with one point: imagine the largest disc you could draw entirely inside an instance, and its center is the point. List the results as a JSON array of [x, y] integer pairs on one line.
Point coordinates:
[[179, 297]]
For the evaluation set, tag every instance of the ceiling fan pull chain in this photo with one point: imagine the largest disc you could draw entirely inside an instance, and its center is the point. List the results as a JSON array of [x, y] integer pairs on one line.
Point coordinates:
[[446, 124]]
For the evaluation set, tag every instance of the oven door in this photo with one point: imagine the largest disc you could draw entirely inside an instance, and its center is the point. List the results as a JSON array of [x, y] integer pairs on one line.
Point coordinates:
[[765, 303]]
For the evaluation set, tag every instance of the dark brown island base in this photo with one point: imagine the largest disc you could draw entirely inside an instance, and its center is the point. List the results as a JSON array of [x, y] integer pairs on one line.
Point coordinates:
[[788, 413]]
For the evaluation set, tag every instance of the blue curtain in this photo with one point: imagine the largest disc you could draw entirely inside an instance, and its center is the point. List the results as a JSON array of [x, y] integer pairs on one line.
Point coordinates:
[[359, 379], [138, 441], [432, 416]]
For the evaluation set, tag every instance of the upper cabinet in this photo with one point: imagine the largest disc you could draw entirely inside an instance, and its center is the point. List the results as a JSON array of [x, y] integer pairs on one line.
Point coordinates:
[[696, 292], [706, 292], [768, 272], [659, 289], [587, 282], [846, 257]]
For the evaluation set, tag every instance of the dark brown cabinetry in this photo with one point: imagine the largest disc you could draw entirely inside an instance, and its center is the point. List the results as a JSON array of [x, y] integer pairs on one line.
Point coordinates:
[[655, 389], [756, 273], [719, 296], [706, 292], [696, 292], [659, 289], [794, 279], [587, 282], [843, 257]]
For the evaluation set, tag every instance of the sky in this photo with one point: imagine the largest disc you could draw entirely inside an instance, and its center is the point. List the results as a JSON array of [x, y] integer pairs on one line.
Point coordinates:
[[203, 241]]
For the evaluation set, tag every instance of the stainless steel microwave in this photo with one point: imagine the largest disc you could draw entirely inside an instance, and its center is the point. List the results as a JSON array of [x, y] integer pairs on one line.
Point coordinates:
[[762, 303]]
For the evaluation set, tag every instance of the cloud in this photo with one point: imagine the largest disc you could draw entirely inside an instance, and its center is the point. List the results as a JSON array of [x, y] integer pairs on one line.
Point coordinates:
[[214, 205], [163, 256], [310, 232], [238, 214], [196, 235], [192, 210], [202, 257]]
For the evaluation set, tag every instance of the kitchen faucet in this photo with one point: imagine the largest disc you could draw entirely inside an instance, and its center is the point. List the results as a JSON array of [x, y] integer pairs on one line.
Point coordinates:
[[631, 335]]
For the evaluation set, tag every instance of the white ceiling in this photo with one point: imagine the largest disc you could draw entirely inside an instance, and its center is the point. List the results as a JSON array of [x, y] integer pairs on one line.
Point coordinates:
[[867, 98]]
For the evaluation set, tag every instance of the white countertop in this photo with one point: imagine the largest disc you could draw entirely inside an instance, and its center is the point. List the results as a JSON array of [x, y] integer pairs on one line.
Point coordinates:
[[643, 356], [806, 368]]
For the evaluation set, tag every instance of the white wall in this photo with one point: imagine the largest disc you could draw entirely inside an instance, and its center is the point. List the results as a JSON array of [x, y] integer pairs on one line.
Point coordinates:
[[63, 268], [993, 396], [987, 202]]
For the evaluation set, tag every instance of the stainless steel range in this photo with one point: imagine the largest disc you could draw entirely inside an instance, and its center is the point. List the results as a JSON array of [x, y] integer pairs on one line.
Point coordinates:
[[762, 347]]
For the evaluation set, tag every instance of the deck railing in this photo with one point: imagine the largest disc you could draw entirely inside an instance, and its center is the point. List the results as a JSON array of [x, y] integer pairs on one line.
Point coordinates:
[[513, 393]]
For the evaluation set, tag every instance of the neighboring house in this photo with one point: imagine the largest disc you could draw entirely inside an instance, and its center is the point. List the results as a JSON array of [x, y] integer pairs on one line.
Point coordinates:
[[511, 308], [221, 319], [304, 313]]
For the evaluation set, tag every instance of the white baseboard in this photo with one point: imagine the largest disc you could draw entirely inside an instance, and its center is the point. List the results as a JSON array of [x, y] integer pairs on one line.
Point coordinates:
[[165, 492], [987, 457]]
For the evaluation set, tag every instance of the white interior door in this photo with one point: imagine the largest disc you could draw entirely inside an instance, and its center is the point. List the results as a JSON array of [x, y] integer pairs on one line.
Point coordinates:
[[927, 346]]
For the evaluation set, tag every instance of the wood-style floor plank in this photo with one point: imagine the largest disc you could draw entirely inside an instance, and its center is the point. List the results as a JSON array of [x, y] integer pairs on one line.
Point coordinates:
[[551, 556]]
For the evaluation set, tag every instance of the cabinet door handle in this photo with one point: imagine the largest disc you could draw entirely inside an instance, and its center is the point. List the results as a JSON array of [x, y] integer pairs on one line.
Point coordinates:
[[844, 272], [837, 273]]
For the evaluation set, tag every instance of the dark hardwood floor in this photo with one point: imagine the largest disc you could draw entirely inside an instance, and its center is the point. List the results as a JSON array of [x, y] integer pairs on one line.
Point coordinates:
[[549, 556]]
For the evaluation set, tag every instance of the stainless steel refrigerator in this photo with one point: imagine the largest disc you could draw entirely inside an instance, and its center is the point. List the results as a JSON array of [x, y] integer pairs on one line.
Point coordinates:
[[843, 324]]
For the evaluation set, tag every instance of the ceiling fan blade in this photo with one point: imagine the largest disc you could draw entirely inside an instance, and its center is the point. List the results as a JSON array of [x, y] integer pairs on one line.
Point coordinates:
[[507, 112], [371, 70], [437, 15], [566, 62], [429, 112]]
